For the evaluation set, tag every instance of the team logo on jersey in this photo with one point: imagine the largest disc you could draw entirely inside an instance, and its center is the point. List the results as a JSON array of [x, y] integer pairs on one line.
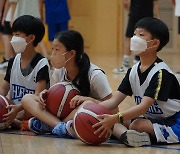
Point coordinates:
[[19, 91], [153, 109], [164, 132]]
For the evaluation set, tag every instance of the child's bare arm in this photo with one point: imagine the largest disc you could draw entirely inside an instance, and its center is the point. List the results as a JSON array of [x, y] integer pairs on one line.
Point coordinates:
[[114, 101], [4, 89], [138, 110]]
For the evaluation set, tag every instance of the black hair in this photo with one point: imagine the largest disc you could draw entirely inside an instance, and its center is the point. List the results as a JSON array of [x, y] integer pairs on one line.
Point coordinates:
[[72, 40], [157, 28], [29, 25]]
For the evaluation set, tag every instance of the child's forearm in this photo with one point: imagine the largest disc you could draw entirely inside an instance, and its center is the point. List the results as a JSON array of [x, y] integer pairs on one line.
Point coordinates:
[[19, 108], [114, 101], [134, 112], [138, 110]]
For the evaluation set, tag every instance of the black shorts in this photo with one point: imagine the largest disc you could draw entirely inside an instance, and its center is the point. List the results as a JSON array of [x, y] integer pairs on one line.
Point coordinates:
[[1, 28], [6, 28], [130, 27]]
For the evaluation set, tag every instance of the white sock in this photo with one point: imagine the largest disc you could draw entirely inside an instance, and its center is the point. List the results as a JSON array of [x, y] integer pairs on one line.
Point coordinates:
[[118, 130], [70, 128]]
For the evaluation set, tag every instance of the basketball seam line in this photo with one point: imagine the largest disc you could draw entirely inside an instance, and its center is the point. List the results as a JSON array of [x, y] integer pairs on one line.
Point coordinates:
[[7, 104], [89, 113]]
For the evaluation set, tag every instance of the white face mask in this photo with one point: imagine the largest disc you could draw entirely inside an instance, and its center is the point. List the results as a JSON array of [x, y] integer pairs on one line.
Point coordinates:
[[138, 45], [59, 61], [18, 43]]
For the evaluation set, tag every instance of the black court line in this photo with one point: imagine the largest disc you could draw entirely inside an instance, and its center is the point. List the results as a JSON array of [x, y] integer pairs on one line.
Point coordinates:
[[162, 147]]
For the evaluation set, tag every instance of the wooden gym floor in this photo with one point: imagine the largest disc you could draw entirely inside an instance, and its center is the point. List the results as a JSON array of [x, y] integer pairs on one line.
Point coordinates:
[[15, 142]]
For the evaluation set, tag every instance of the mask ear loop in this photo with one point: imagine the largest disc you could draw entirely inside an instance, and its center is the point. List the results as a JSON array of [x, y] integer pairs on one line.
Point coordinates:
[[30, 40], [148, 42], [68, 59]]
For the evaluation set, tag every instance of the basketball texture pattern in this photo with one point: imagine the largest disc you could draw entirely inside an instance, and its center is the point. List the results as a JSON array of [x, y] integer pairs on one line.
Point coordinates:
[[59, 97], [4, 102], [84, 119]]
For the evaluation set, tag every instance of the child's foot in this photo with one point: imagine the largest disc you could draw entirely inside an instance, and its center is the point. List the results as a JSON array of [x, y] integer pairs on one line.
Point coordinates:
[[135, 139], [38, 126], [25, 125], [121, 70], [70, 128], [64, 130]]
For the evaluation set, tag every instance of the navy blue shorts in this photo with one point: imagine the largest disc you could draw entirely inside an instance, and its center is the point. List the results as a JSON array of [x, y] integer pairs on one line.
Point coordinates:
[[54, 28]]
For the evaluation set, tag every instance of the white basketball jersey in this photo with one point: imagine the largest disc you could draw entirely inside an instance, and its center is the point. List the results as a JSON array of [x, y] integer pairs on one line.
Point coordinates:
[[159, 109], [21, 85]]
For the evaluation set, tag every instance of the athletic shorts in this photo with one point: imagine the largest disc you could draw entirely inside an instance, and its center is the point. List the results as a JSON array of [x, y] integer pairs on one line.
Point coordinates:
[[130, 26], [167, 130], [1, 28], [54, 28], [6, 28]]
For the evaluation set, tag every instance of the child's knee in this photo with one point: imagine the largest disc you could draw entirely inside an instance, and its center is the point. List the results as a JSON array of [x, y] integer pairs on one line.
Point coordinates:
[[26, 98], [137, 125]]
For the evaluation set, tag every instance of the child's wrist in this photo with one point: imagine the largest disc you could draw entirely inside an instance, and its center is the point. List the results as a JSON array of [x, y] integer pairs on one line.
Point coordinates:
[[120, 118]]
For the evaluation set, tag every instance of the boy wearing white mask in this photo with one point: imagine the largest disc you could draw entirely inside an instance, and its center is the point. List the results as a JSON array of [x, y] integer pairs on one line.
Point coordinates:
[[28, 71], [156, 117]]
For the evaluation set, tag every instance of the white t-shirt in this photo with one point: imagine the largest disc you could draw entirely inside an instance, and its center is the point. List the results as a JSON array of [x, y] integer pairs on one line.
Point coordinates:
[[177, 8], [99, 86], [27, 7]]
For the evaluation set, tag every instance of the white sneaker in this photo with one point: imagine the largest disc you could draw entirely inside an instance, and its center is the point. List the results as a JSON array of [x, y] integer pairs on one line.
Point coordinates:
[[135, 61], [122, 70], [4, 64], [135, 139]]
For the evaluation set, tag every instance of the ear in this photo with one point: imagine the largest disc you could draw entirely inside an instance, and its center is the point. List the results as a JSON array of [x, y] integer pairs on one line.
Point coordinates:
[[73, 53], [156, 43], [32, 37]]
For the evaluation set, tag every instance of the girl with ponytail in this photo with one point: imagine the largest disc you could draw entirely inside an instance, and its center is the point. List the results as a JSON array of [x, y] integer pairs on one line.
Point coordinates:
[[71, 64]]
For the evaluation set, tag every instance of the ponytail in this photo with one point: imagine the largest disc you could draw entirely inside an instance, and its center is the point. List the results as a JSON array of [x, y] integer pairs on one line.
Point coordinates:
[[82, 79]]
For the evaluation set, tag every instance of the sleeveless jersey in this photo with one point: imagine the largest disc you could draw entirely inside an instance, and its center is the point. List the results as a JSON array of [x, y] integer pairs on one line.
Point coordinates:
[[21, 85], [160, 109]]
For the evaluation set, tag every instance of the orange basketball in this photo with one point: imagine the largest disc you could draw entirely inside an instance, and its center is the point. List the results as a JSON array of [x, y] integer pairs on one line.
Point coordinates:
[[58, 98], [84, 119], [4, 101]]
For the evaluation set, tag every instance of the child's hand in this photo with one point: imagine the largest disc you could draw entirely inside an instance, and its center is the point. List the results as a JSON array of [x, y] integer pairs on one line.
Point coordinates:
[[9, 117], [77, 100], [42, 98], [43, 95], [105, 126]]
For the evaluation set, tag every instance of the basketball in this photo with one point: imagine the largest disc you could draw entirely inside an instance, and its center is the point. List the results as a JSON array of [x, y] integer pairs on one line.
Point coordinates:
[[58, 98], [84, 119], [4, 101]]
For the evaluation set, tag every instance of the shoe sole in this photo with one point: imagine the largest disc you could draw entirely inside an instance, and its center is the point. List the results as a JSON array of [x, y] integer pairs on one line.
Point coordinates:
[[135, 139]]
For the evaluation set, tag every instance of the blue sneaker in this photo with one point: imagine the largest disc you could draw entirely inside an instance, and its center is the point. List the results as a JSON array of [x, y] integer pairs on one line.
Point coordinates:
[[61, 131], [39, 127]]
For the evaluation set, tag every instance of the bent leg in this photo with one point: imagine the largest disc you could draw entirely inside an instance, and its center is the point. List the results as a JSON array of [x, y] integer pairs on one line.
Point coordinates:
[[30, 103], [143, 125]]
